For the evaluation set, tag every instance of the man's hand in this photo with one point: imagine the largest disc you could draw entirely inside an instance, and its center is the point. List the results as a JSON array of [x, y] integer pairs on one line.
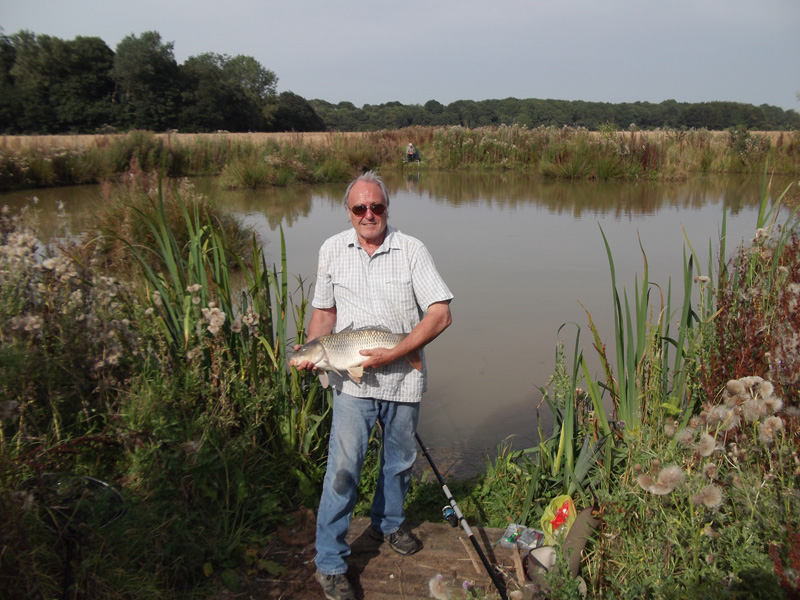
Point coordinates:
[[377, 357], [322, 322], [301, 365]]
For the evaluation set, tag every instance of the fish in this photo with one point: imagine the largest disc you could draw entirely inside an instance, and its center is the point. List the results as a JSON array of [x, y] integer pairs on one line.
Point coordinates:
[[339, 352]]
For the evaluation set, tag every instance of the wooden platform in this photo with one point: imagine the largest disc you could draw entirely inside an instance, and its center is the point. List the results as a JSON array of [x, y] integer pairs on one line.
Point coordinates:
[[378, 573]]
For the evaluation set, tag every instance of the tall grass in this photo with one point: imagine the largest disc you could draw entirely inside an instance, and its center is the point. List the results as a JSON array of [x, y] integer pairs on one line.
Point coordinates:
[[252, 161], [172, 386]]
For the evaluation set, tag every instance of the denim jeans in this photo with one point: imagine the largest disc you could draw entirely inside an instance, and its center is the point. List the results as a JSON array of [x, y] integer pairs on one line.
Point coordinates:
[[353, 419]]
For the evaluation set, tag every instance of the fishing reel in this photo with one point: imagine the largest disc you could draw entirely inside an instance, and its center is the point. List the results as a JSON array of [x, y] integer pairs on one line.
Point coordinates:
[[449, 515]]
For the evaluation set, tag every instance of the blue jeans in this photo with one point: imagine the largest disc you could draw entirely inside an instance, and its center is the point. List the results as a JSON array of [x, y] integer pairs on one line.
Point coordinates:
[[353, 419]]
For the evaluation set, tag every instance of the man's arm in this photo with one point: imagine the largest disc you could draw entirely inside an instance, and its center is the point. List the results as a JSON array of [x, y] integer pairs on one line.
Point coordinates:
[[322, 323], [435, 321]]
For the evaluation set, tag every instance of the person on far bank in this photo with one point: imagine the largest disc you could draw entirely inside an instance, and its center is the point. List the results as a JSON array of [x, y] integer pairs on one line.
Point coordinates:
[[411, 153], [373, 275]]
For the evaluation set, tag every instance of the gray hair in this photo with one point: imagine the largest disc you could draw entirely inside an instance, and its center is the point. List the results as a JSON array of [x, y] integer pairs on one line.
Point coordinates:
[[371, 177]]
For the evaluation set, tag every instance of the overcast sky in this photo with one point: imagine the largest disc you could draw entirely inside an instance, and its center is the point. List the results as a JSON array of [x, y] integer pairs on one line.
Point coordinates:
[[376, 51]]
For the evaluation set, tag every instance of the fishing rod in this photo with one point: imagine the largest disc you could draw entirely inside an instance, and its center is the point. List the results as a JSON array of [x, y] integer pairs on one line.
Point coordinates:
[[452, 515]]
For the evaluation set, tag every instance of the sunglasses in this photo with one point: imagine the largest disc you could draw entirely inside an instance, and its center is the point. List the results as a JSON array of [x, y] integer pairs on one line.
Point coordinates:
[[360, 210]]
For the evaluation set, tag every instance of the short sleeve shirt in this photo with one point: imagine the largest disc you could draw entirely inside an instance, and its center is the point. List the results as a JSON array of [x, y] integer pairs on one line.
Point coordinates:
[[391, 289]]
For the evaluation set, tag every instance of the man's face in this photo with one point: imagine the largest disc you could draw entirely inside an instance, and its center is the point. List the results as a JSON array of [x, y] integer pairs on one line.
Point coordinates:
[[370, 227]]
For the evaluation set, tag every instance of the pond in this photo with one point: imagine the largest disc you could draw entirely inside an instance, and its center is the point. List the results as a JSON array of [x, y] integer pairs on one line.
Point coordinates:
[[519, 254]]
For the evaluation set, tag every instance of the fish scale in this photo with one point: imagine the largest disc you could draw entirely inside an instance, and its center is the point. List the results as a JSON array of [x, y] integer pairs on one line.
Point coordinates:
[[343, 348], [340, 352]]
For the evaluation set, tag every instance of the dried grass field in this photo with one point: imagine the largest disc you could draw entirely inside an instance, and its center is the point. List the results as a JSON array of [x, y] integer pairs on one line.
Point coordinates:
[[82, 141]]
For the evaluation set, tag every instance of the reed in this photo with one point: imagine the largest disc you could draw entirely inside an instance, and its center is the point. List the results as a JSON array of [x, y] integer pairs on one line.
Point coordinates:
[[254, 160]]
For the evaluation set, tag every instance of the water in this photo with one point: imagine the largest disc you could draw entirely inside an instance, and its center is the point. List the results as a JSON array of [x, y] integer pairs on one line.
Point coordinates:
[[518, 254]]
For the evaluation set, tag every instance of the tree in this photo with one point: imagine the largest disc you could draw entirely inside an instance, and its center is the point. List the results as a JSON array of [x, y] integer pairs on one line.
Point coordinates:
[[36, 65], [9, 104], [219, 92], [257, 83], [82, 98], [294, 113], [434, 107], [146, 77]]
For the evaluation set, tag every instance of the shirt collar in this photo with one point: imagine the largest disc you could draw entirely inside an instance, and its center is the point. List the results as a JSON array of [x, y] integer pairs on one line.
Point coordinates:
[[388, 242]]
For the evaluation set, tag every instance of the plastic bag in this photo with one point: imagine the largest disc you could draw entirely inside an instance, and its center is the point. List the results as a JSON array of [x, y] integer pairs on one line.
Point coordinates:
[[558, 518]]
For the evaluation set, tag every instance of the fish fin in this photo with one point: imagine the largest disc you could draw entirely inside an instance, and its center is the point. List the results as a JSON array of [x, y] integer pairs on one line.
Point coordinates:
[[356, 373], [346, 329], [415, 360], [323, 379], [382, 328]]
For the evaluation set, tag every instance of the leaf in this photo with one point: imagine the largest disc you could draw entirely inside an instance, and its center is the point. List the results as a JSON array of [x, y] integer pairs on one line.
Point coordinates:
[[271, 567], [230, 579], [208, 569]]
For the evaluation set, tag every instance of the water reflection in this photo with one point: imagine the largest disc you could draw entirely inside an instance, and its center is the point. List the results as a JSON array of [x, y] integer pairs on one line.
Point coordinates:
[[519, 255]]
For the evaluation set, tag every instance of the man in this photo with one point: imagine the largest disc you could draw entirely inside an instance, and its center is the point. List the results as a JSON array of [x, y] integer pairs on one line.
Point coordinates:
[[373, 276], [411, 153]]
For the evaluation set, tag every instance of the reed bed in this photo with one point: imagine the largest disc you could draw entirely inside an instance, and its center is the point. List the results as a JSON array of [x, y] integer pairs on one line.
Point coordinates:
[[279, 159]]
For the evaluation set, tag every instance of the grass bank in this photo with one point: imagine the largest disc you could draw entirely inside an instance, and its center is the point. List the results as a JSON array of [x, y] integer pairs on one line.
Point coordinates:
[[258, 160]]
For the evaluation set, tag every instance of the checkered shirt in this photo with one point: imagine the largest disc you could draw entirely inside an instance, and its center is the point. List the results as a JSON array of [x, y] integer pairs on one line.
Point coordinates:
[[391, 289]]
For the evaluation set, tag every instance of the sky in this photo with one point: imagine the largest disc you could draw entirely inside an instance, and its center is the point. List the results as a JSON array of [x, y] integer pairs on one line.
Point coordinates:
[[376, 51]]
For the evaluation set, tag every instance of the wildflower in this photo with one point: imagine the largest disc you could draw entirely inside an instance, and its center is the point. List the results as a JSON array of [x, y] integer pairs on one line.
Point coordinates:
[[752, 410], [8, 409], [709, 531], [149, 312], [720, 417], [251, 320], [773, 404], [157, 298], [685, 436], [672, 477], [705, 447], [192, 446], [710, 496], [236, 326], [25, 499], [645, 482], [761, 233], [764, 389], [194, 354], [751, 381], [215, 318], [734, 387], [194, 288], [439, 589], [669, 478], [768, 429], [33, 323], [710, 470], [703, 279], [671, 428]]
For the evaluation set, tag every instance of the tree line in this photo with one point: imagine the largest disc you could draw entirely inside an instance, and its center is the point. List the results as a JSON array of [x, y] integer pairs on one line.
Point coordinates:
[[49, 86], [531, 113]]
